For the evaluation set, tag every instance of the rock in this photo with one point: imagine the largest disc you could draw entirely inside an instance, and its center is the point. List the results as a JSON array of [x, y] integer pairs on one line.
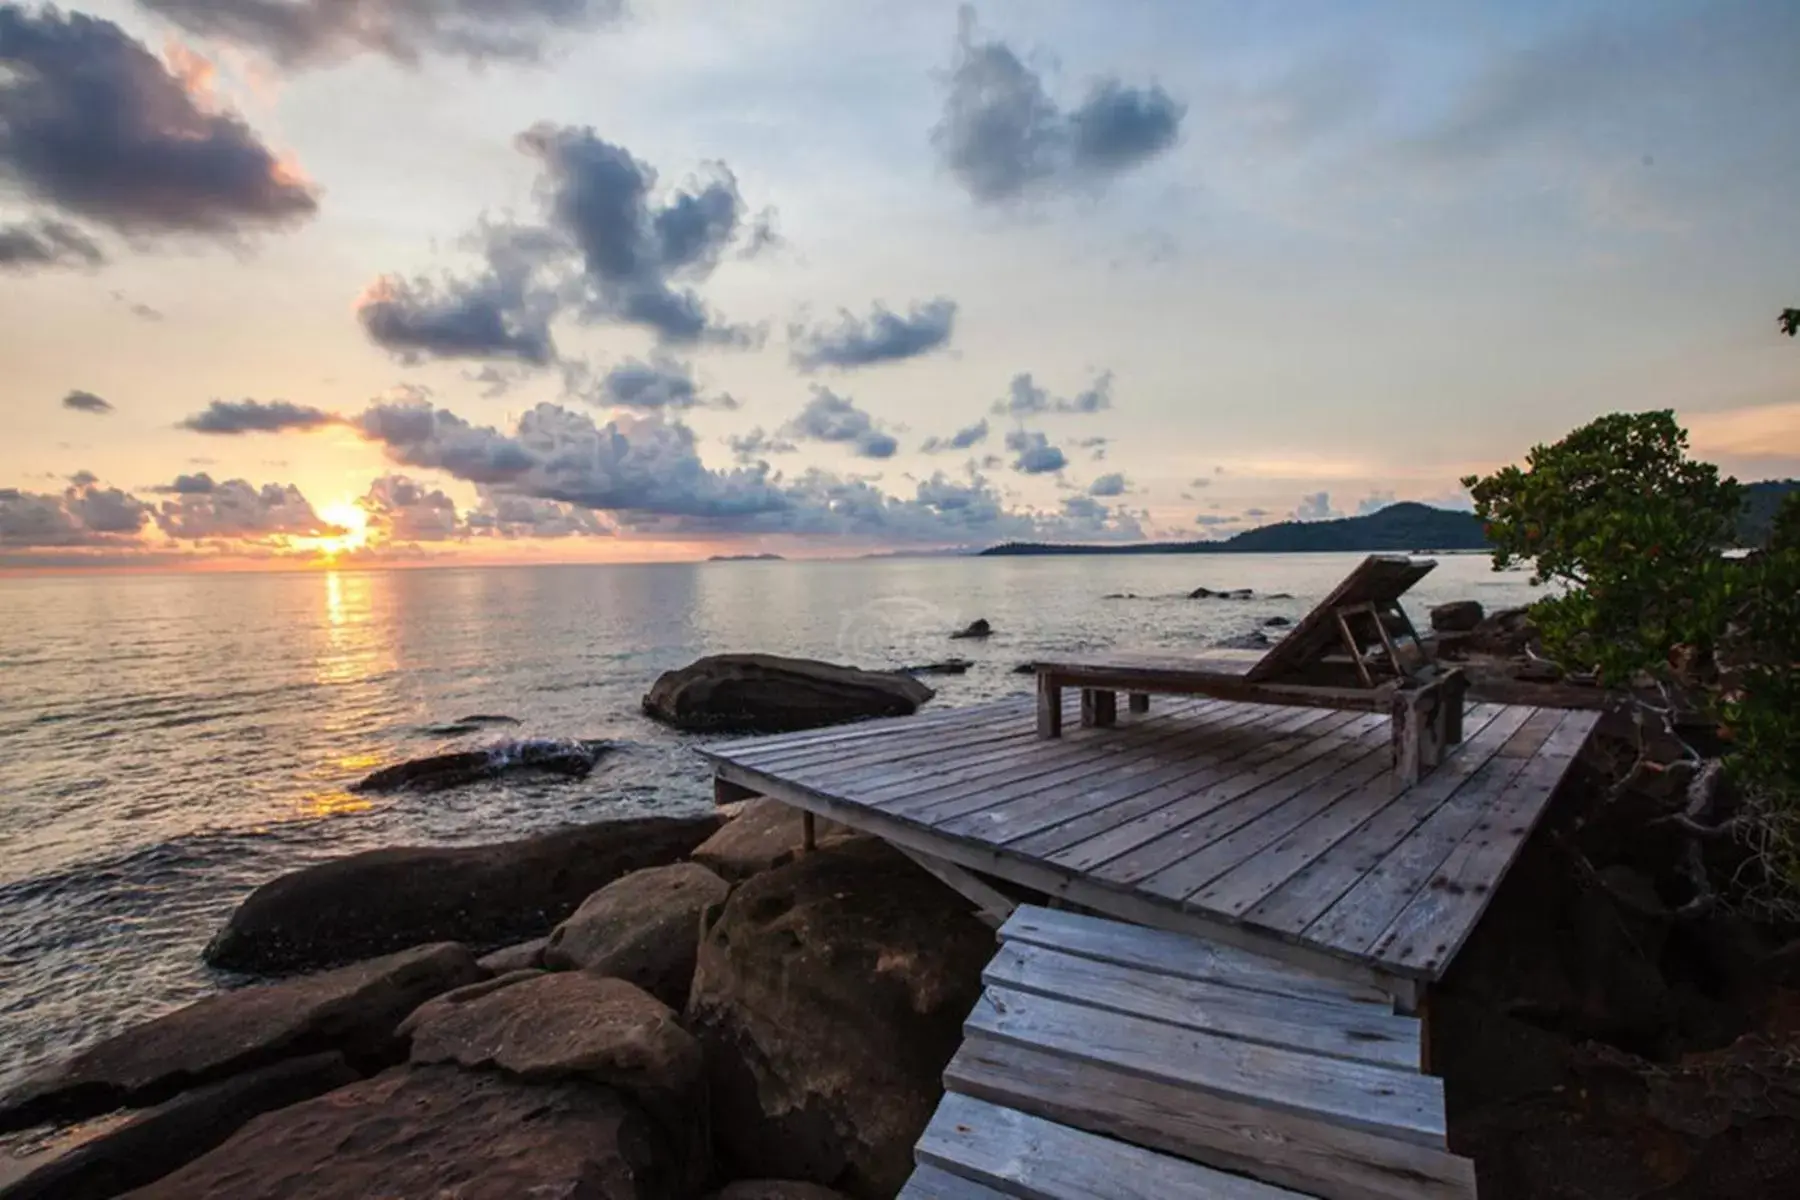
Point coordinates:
[[1029, 668], [472, 723], [437, 1005], [353, 1010], [439, 1132], [765, 693], [1120, 596], [766, 834], [978, 628], [949, 666], [1277, 623], [157, 1141], [777, 1189], [1256, 639], [382, 900], [829, 996], [1503, 634], [520, 956], [643, 927], [1201, 593], [1458, 616], [569, 758]]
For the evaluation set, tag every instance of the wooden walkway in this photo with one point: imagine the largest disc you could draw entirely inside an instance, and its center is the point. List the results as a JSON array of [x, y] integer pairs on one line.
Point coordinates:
[[1109, 1060], [1271, 828]]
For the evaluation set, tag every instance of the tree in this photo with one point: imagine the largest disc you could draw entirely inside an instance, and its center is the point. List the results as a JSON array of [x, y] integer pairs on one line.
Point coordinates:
[[1627, 530], [1790, 321]]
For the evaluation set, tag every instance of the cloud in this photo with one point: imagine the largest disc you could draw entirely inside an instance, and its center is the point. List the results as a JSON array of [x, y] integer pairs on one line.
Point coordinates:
[[962, 439], [1256, 514], [404, 510], [503, 312], [1002, 136], [829, 417], [752, 446], [43, 243], [1025, 398], [238, 509], [1108, 485], [232, 417], [1202, 481], [310, 32], [84, 514], [188, 485], [1316, 506], [1214, 520], [1374, 502], [96, 125], [1036, 456], [1084, 507], [507, 516], [661, 383], [884, 336], [87, 402]]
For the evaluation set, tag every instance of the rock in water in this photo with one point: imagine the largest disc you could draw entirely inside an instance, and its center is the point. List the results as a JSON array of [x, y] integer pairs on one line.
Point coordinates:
[[766, 834], [1204, 593], [1458, 616], [765, 693], [382, 900], [949, 666], [829, 996], [644, 928], [353, 1010], [438, 1132], [570, 758], [978, 628]]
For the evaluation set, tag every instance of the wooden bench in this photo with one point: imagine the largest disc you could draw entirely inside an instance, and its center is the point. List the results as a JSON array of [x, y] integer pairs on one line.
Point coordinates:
[[1106, 1059]]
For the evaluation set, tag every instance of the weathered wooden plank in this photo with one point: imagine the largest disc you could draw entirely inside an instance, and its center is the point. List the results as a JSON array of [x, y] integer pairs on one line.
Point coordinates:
[[1439, 918], [1238, 745], [1307, 893], [1143, 846], [935, 1183], [1316, 1158], [1246, 884], [1358, 1033], [1023, 1155], [747, 748], [1394, 1103], [1358, 918], [895, 741], [1240, 831], [1178, 956], [1018, 812], [1180, 680]]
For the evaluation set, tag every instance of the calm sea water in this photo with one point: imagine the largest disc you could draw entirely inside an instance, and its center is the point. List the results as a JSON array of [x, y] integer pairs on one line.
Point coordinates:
[[169, 742]]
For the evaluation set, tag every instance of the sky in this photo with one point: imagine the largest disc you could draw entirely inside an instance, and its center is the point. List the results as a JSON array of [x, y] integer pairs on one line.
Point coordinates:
[[416, 281]]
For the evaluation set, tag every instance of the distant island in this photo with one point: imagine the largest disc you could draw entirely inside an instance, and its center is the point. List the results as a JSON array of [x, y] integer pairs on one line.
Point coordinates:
[[1407, 526], [746, 558]]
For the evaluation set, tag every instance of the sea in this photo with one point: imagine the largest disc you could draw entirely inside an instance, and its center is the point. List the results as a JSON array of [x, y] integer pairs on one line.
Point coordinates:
[[169, 742]]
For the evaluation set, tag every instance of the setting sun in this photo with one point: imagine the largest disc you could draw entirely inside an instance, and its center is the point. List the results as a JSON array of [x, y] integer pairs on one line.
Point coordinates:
[[352, 520]]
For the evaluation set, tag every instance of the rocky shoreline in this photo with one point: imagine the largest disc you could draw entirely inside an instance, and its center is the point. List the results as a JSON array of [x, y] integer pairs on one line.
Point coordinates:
[[679, 1008]]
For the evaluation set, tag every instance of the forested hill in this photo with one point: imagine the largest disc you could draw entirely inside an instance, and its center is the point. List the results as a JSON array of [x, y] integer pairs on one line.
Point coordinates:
[[1404, 526]]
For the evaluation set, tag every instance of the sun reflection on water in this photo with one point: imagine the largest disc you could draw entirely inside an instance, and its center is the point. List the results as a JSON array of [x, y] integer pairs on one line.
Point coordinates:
[[333, 804]]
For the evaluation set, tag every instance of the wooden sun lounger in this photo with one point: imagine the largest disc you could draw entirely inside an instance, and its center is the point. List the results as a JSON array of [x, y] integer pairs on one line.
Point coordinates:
[[1356, 649]]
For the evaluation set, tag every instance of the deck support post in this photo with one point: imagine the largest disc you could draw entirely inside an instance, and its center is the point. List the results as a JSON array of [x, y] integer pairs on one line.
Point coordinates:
[[992, 905], [808, 835], [1049, 706], [1139, 702], [1099, 708]]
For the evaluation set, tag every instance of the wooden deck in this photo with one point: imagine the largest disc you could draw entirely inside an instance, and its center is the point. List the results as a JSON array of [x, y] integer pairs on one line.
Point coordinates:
[[1106, 1059], [1273, 828]]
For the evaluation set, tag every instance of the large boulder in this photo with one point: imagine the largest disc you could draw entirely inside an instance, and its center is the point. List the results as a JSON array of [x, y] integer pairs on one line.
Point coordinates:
[[353, 1010], [1458, 616], [766, 834], [158, 1140], [568, 758], [644, 927], [776, 1189], [439, 1132], [381, 900], [829, 996], [765, 693]]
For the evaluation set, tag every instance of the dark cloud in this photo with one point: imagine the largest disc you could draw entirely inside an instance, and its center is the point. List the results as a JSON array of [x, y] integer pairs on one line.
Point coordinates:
[[83, 478], [188, 485], [752, 446], [1315, 506], [1036, 456], [505, 516], [962, 439], [231, 417], [883, 336], [42, 243], [1084, 508], [87, 402], [502, 312], [1003, 137], [1214, 520], [496, 381], [84, 514], [1201, 481], [307, 32], [1108, 485], [1024, 398], [236, 508], [96, 125], [404, 510], [829, 417], [1256, 514], [661, 383]]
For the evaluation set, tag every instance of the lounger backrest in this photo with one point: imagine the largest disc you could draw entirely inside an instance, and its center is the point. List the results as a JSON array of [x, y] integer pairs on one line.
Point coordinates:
[[1380, 579]]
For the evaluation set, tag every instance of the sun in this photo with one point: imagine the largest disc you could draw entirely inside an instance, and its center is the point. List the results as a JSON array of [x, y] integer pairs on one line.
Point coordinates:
[[349, 517]]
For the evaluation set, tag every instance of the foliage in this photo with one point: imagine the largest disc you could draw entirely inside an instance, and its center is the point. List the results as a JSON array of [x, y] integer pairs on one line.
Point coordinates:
[[1790, 321], [1627, 529]]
